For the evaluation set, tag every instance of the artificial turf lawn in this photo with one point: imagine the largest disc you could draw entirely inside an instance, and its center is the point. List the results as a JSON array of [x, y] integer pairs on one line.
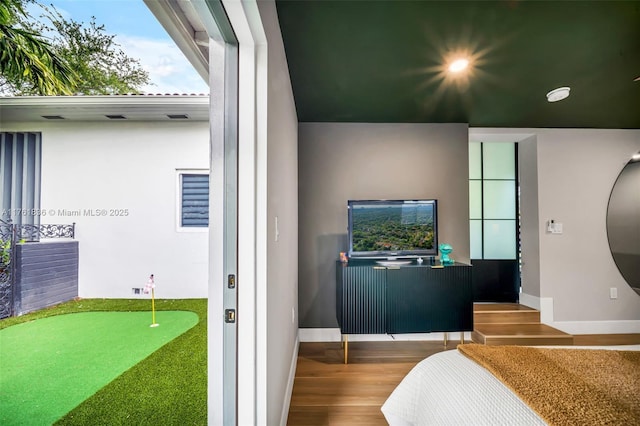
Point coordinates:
[[51, 365], [168, 387]]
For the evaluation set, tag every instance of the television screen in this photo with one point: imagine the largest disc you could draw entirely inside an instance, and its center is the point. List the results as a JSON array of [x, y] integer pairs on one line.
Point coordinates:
[[392, 228]]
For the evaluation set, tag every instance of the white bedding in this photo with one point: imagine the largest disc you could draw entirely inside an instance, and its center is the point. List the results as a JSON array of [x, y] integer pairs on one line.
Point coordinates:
[[450, 389]]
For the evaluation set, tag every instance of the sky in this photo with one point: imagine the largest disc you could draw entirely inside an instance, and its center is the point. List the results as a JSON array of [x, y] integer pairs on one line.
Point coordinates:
[[141, 37]]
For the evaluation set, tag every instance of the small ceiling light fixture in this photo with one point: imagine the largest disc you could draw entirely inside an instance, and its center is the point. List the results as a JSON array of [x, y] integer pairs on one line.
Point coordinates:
[[558, 94], [635, 157], [458, 65]]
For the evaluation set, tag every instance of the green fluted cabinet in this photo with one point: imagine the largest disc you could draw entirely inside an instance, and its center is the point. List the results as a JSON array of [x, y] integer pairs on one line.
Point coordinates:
[[373, 299]]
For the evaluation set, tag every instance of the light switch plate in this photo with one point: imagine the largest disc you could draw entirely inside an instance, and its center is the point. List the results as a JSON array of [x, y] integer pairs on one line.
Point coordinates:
[[554, 227]]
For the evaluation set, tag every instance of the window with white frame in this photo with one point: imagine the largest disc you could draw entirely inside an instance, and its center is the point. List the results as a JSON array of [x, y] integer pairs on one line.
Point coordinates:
[[193, 200]]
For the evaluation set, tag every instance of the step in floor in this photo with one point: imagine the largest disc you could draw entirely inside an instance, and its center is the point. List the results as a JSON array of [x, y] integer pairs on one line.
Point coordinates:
[[496, 313], [520, 334], [493, 307]]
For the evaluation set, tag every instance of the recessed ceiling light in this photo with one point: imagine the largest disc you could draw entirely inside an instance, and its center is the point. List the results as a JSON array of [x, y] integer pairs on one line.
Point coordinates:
[[635, 157], [458, 65], [558, 94]]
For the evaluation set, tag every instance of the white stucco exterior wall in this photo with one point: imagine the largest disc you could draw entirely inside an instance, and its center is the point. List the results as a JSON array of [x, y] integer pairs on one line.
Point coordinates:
[[118, 182]]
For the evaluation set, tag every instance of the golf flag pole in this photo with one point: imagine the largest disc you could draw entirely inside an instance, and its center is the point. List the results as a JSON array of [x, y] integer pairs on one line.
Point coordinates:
[[151, 286]]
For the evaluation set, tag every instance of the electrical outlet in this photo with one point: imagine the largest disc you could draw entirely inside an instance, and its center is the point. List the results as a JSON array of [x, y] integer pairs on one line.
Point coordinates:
[[136, 290], [613, 293]]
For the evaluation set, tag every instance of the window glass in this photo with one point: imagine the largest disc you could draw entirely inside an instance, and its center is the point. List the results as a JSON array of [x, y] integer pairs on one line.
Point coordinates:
[[492, 200], [500, 239], [498, 161], [195, 200], [499, 199], [475, 237], [475, 199], [475, 161]]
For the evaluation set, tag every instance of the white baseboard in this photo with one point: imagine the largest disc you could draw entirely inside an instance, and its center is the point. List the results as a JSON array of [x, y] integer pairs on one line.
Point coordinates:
[[598, 327], [542, 304], [545, 306], [333, 335], [289, 391], [530, 301], [319, 334], [546, 310]]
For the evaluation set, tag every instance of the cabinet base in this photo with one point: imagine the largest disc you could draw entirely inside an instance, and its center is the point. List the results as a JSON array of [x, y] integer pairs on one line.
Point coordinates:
[[344, 343]]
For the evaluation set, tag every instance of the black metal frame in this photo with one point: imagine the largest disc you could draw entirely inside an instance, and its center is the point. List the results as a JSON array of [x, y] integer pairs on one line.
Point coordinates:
[[33, 233], [492, 278]]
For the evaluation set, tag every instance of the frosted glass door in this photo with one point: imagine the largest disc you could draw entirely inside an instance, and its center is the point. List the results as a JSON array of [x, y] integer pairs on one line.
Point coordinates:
[[492, 200]]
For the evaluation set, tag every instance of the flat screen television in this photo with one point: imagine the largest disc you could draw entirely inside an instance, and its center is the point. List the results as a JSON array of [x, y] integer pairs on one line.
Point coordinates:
[[393, 228]]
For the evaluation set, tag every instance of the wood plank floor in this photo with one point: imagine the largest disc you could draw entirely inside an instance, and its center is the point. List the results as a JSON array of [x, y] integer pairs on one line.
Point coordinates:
[[606, 339], [493, 307], [513, 324], [498, 313], [519, 334], [328, 392]]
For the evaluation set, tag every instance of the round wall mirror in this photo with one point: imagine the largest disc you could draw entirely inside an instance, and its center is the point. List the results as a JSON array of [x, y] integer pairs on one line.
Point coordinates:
[[623, 222]]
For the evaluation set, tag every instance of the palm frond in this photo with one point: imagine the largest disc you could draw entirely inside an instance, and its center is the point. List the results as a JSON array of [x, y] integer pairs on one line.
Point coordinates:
[[26, 56]]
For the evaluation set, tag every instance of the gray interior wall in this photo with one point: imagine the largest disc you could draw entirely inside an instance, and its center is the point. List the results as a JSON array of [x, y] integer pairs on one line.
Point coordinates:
[[282, 202], [576, 170], [530, 241], [576, 173], [342, 161]]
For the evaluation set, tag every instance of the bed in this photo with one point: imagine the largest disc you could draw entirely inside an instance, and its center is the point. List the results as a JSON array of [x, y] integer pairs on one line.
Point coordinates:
[[451, 388]]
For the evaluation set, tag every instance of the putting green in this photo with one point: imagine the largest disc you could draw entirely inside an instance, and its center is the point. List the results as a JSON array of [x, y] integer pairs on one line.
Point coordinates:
[[50, 365]]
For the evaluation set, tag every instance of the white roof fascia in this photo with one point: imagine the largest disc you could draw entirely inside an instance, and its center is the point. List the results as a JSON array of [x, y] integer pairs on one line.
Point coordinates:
[[185, 30], [104, 100], [95, 108]]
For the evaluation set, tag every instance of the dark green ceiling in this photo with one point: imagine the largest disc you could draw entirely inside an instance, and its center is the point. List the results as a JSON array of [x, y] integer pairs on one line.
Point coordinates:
[[378, 61]]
